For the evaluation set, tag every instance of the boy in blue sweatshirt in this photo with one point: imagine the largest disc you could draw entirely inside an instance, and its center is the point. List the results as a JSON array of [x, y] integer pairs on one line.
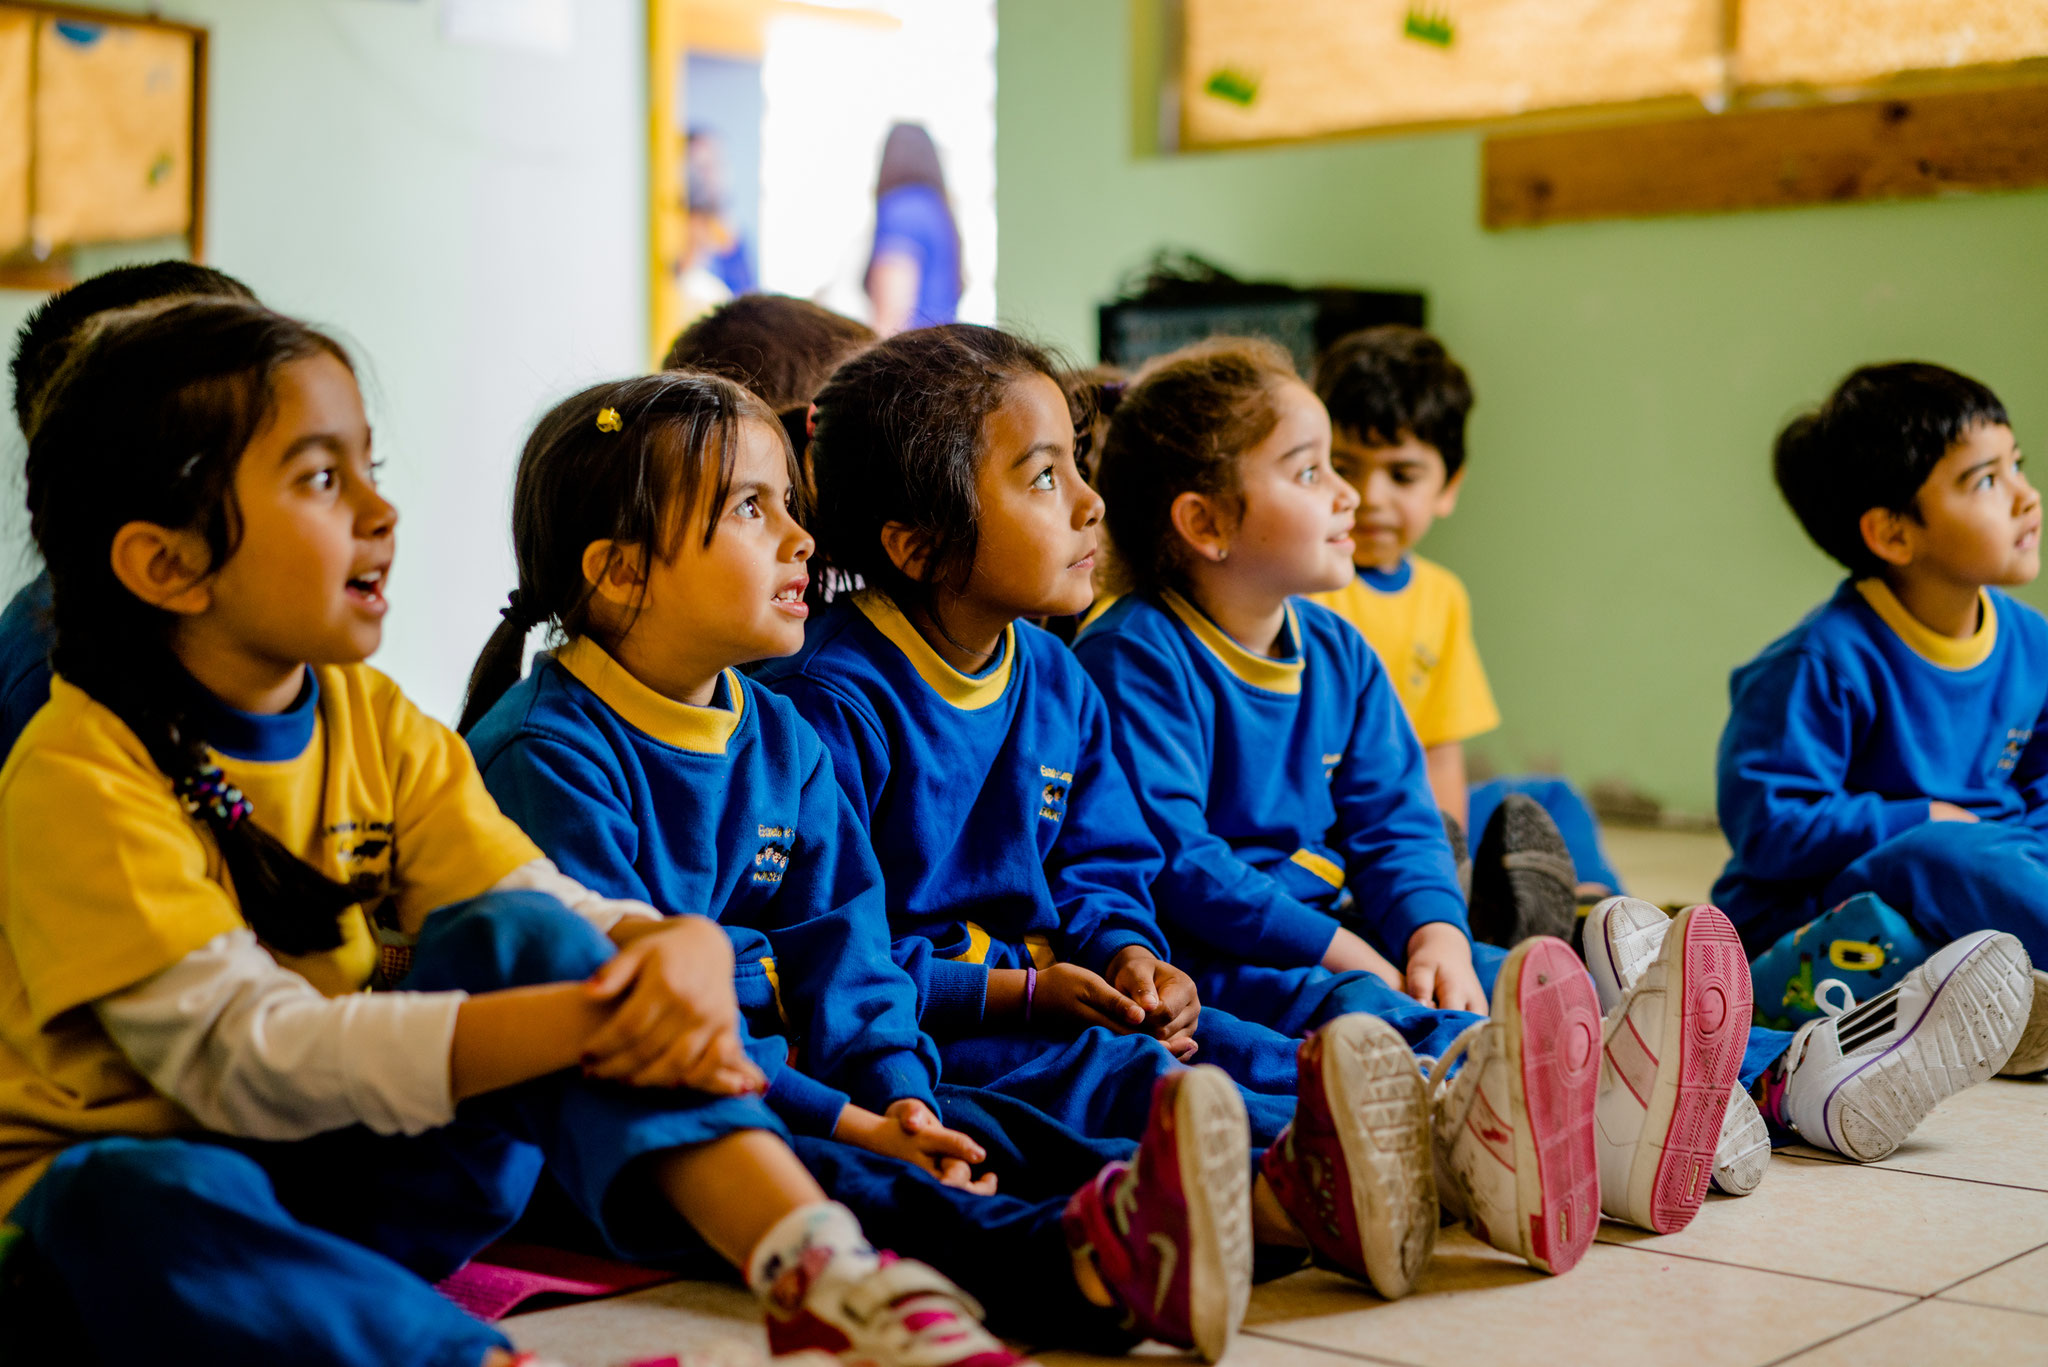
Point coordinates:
[[1893, 742]]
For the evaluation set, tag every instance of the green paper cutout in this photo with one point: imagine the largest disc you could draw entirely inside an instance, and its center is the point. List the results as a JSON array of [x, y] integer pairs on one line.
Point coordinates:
[[1228, 83]]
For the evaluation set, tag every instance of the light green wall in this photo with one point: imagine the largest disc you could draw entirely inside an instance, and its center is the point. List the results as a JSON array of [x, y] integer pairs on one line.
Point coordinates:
[[1620, 534], [471, 221]]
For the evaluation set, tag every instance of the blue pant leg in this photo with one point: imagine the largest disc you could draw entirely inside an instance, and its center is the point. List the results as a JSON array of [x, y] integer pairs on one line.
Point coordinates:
[[1263, 1063], [590, 1132], [1008, 1253], [1953, 877], [1297, 1001], [175, 1246], [1032, 1154], [1097, 1083], [1568, 811]]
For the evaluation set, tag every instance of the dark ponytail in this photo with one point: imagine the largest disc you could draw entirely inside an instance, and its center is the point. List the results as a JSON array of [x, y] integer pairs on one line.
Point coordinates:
[[621, 462], [146, 422]]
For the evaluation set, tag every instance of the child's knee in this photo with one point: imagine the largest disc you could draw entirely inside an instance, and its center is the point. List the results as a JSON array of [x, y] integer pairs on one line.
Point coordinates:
[[129, 1183], [505, 939]]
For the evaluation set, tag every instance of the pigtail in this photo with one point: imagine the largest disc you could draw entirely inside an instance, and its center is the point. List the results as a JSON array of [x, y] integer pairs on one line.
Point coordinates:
[[498, 665], [147, 421]]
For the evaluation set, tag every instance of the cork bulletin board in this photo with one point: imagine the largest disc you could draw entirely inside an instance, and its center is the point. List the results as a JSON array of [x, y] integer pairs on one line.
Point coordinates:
[[101, 135], [1253, 71]]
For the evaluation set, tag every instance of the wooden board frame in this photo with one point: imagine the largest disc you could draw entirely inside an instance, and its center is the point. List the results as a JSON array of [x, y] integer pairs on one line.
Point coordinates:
[[55, 272], [1901, 147]]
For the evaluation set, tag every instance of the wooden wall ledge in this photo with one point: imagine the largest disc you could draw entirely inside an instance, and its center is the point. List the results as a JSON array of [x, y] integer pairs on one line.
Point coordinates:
[[1904, 148]]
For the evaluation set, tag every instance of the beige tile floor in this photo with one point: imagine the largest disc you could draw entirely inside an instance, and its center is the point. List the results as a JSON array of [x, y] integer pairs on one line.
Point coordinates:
[[1938, 1255]]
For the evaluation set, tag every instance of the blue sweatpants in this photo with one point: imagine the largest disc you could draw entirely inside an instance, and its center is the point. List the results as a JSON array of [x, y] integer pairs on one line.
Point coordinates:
[[320, 1251], [1100, 1083], [1953, 877], [1567, 809], [1296, 1001]]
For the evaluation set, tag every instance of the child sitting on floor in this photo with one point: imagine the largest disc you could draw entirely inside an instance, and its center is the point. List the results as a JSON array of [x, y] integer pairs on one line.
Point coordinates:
[[1398, 403], [1894, 742], [1273, 761], [221, 1148]]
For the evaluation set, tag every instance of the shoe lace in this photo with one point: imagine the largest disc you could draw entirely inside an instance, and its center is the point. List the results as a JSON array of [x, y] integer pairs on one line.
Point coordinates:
[[1824, 987]]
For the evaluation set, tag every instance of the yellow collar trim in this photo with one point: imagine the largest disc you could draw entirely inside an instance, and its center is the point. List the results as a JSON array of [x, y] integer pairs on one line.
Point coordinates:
[[1943, 652], [1260, 671], [1094, 613], [964, 691], [706, 730]]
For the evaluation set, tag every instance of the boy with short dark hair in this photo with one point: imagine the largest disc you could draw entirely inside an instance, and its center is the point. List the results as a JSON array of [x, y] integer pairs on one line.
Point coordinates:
[[39, 352], [1398, 404], [1894, 742]]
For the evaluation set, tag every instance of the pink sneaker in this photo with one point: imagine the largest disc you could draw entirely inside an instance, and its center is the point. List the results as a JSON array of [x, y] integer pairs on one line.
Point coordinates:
[[880, 1311], [1353, 1170], [1170, 1231], [1514, 1126]]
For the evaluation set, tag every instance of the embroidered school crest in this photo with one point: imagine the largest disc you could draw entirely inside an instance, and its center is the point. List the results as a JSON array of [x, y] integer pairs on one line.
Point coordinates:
[[2015, 744], [1052, 798], [771, 861]]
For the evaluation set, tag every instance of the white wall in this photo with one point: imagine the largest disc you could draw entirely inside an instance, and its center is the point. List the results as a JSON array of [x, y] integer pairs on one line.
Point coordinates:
[[472, 221]]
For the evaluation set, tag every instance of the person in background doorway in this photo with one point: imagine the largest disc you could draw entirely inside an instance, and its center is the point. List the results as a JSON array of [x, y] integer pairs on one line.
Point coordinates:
[[913, 278]]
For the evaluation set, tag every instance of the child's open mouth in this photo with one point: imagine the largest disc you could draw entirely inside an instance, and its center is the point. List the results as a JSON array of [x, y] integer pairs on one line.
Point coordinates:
[[791, 599], [367, 591]]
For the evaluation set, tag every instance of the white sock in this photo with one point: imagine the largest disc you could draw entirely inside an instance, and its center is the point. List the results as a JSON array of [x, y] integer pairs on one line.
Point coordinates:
[[800, 1245]]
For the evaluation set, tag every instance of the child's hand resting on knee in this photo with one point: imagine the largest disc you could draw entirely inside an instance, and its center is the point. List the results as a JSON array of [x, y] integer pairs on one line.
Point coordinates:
[[1440, 971], [675, 1018], [908, 1130], [1348, 953]]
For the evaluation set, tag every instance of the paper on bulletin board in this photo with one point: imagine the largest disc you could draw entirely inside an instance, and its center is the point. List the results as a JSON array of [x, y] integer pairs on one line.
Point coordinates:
[[113, 133], [533, 25], [1254, 70], [17, 35], [1829, 42]]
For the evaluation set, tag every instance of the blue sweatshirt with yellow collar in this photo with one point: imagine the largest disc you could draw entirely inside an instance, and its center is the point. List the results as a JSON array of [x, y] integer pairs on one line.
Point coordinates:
[[1288, 792], [1845, 729], [1006, 830], [728, 811]]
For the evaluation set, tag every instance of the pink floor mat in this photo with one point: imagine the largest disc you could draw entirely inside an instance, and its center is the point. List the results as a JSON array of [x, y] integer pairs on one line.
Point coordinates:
[[506, 1275]]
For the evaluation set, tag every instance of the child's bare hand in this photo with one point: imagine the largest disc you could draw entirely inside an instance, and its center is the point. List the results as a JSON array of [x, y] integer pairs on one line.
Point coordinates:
[[908, 1130], [1440, 971], [1348, 953], [1164, 993], [675, 1018], [1948, 811], [1071, 993]]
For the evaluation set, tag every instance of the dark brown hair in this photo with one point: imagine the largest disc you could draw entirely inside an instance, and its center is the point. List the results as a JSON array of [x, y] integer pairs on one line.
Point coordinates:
[[898, 439], [146, 421], [624, 462], [783, 349], [1395, 381], [1179, 428]]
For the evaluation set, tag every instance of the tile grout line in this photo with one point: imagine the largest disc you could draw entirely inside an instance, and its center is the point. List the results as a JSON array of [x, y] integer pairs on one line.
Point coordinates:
[[1916, 1301], [1841, 1162], [1263, 1333], [1644, 1246], [1986, 1305]]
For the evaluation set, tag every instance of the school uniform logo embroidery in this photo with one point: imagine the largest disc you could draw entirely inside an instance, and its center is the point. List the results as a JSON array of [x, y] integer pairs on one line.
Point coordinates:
[[771, 861], [1052, 799], [2015, 744]]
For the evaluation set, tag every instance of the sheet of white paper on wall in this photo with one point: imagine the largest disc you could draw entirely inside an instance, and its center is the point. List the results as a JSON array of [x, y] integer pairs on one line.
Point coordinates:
[[533, 25]]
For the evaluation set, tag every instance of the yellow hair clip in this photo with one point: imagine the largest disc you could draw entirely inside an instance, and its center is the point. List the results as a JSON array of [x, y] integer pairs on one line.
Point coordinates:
[[608, 420]]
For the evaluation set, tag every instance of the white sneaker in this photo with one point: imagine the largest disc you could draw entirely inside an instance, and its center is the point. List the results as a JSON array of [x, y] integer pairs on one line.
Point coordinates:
[[887, 1313], [1672, 1047], [2030, 1055], [1743, 1155], [1513, 1130], [1859, 1083], [1623, 936]]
